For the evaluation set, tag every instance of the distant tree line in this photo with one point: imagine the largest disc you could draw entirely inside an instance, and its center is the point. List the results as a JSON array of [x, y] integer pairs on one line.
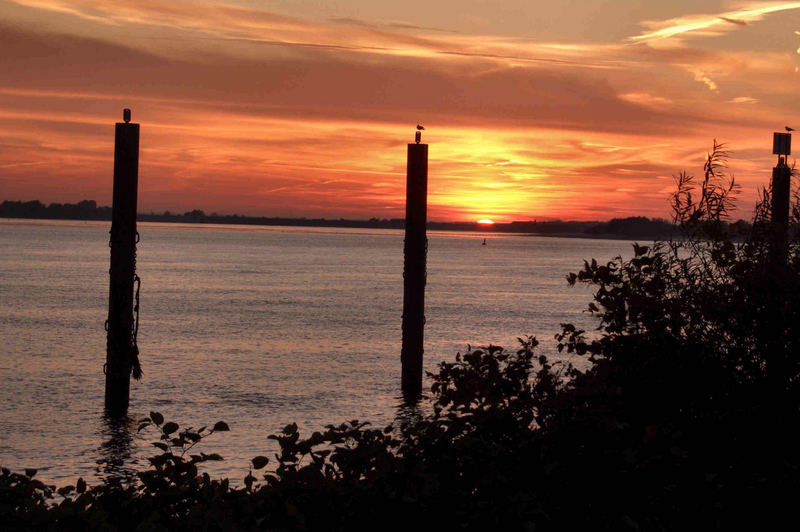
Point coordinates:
[[635, 227], [83, 210]]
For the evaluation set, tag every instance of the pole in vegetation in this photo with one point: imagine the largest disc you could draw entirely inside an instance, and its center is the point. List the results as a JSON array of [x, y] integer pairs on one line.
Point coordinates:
[[415, 249], [781, 178], [121, 350]]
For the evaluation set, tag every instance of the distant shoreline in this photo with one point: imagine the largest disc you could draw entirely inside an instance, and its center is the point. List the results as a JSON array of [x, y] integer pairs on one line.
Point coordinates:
[[618, 228]]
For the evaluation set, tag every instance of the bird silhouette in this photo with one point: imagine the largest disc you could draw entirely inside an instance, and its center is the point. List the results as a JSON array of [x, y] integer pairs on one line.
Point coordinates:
[[789, 128], [419, 127]]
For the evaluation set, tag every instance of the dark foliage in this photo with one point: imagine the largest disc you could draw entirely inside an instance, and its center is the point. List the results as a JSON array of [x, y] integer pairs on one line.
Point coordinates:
[[634, 227], [684, 420], [83, 210]]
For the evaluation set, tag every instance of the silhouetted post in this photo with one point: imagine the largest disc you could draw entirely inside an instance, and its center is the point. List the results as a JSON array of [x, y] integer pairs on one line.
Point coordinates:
[[781, 178], [777, 312], [120, 345], [414, 250]]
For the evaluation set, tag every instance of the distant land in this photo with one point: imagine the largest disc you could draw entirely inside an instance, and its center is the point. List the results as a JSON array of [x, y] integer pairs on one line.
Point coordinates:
[[623, 228]]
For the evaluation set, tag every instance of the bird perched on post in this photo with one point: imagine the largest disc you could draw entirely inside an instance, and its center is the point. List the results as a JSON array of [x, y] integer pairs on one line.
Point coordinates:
[[418, 136], [419, 127], [789, 128]]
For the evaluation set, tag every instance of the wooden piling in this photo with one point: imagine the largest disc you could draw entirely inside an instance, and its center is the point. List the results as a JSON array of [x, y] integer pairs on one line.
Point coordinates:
[[414, 271], [781, 178], [120, 345]]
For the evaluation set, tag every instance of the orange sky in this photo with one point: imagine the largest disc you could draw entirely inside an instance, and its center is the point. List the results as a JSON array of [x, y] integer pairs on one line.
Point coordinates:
[[574, 109]]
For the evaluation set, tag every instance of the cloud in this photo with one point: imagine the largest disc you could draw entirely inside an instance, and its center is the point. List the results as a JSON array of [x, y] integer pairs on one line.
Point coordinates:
[[183, 26], [319, 87], [701, 76], [674, 31], [351, 21], [647, 100], [744, 99], [733, 21]]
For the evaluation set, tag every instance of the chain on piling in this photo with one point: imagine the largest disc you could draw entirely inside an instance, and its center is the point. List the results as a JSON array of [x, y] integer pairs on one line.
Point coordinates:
[[136, 366]]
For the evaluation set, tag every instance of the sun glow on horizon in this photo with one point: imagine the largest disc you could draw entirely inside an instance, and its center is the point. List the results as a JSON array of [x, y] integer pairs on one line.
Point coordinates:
[[485, 221]]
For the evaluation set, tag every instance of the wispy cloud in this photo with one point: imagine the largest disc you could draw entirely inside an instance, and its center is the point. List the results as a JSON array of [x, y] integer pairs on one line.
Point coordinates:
[[17, 165], [674, 31], [744, 99], [702, 77], [642, 98], [734, 21], [206, 23]]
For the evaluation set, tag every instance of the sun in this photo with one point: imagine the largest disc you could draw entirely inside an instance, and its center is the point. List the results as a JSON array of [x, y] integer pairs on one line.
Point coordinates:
[[485, 221]]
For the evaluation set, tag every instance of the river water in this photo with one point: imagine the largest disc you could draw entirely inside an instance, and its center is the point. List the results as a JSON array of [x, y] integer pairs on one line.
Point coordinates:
[[256, 326]]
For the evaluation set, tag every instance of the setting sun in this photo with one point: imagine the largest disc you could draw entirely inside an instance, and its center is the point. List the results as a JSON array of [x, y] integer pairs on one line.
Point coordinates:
[[485, 222]]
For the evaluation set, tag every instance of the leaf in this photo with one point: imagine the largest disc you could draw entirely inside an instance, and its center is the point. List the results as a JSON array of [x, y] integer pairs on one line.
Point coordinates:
[[30, 472], [259, 462], [170, 427], [221, 426], [161, 459], [163, 446], [81, 486], [83, 501], [157, 418]]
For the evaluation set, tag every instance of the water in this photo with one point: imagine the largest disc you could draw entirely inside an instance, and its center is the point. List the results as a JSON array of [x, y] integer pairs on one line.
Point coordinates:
[[257, 326]]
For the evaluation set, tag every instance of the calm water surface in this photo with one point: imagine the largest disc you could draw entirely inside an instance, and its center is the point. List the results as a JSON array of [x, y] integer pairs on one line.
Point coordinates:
[[257, 326]]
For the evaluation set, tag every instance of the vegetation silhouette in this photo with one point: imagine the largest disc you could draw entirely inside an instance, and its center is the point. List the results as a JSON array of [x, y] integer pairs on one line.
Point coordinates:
[[684, 417], [631, 227]]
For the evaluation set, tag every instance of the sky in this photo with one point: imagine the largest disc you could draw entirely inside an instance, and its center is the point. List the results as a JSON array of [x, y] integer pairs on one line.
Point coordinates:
[[533, 110]]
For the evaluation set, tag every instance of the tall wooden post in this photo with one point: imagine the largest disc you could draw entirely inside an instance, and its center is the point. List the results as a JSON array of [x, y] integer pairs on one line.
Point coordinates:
[[781, 179], [777, 313], [120, 345], [415, 251]]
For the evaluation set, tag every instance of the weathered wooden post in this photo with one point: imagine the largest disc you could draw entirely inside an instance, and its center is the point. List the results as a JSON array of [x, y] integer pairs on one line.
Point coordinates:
[[415, 251], [781, 179], [121, 350]]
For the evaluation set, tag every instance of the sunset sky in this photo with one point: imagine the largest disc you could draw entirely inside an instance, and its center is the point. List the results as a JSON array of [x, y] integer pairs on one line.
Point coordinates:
[[572, 109]]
